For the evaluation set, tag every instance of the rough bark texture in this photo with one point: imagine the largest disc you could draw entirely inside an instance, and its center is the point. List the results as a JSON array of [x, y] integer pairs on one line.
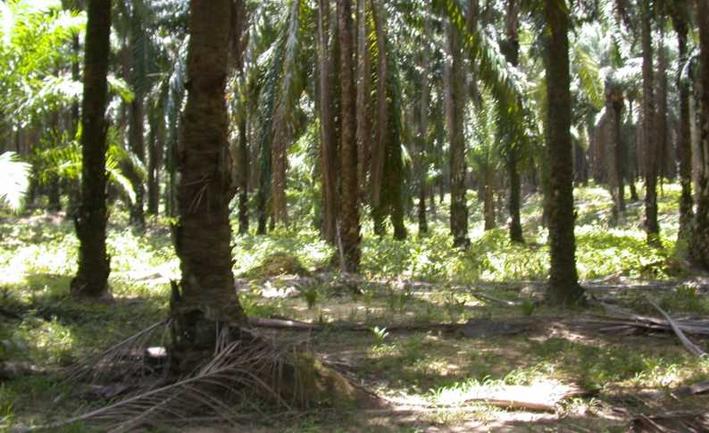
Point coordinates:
[[94, 263], [206, 300], [136, 138], [422, 121], [349, 192], [242, 175], [488, 189], [684, 139], [379, 153], [155, 159], [364, 132], [652, 227], [563, 279], [279, 164], [699, 244], [616, 150], [387, 171], [455, 104], [328, 143], [511, 52], [515, 199], [137, 146]]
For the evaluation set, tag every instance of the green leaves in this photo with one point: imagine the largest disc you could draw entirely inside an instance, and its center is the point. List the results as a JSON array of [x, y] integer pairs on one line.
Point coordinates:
[[34, 38]]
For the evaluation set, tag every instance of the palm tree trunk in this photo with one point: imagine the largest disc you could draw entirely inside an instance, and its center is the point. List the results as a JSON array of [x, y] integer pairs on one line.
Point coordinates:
[[328, 144], [242, 174], [563, 278], [614, 108], [135, 56], [349, 233], [94, 263], [363, 89], [699, 240], [489, 200], [379, 154], [155, 161], [279, 163], [455, 109], [631, 155], [137, 146], [206, 302], [73, 187], [684, 139], [422, 119], [652, 227], [511, 52]]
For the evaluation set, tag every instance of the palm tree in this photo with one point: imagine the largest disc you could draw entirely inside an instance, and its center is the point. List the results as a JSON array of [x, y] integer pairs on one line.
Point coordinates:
[[137, 58], [652, 226], [614, 112], [203, 236], [455, 109], [94, 263], [563, 279], [349, 230], [364, 78], [387, 168], [680, 22], [511, 51], [699, 240]]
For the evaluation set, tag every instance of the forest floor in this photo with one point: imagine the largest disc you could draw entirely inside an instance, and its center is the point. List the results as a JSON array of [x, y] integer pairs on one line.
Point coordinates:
[[429, 330]]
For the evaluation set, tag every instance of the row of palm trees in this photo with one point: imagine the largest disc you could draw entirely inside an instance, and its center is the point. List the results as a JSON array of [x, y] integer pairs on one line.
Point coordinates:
[[351, 166]]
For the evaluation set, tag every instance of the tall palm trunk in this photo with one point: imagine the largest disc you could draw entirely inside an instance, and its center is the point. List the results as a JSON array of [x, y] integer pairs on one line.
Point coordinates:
[[699, 241], [206, 302], [684, 139], [73, 187], [387, 171], [328, 143], [155, 160], [349, 233], [511, 51], [455, 109], [422, 119], [379, 154], [615, 155], [488, 188], [563, 278], [652, 227], [94, 263], [242, 175], [363, 89], [136, 139], [136, 57]]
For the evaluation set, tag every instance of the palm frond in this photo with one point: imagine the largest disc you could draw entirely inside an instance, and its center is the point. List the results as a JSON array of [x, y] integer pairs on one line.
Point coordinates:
[[14, 180]]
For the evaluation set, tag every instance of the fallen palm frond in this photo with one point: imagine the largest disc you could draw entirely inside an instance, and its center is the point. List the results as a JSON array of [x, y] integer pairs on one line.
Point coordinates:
[[230, 385], [693, 389], [691, 347], [120, 361], [633, 324], [226, 386], [670, 423]]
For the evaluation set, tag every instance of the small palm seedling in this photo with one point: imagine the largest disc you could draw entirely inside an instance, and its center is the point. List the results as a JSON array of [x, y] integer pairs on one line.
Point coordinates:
[[527, 307], [380, 334], [311, 295]]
